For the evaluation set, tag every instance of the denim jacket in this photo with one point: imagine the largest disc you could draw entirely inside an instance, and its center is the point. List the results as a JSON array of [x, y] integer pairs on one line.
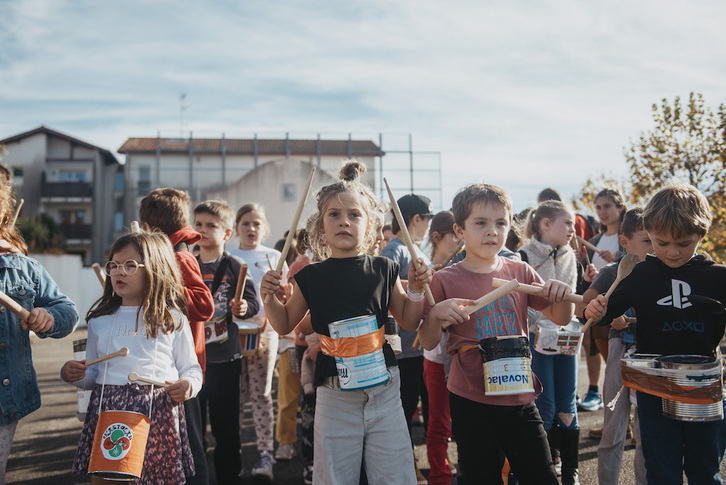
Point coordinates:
[[28, 283]]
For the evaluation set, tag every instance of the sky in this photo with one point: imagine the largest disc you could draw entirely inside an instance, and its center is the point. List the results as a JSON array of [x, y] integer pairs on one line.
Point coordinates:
[[524, 94]]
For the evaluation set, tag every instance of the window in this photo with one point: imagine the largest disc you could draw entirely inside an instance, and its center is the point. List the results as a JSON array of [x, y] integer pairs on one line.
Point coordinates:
[[72, 176], [17, 172], [118, 221], [144, 180], [119, 180]]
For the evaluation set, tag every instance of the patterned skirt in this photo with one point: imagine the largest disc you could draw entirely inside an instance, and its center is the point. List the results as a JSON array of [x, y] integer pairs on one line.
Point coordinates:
[[167, 458]]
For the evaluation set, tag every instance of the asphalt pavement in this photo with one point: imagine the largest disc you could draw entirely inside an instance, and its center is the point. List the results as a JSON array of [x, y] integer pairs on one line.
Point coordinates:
[[45, 441]]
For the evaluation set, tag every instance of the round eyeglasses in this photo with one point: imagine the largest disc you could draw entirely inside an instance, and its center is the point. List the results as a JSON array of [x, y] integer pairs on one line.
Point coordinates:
[[129, 266]]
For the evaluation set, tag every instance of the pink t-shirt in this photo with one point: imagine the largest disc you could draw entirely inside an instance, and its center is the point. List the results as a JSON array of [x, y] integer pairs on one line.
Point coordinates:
[[505, 316]]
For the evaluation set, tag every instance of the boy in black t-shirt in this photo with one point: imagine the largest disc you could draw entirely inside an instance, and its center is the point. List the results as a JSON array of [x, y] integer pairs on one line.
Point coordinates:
[[679, 300]]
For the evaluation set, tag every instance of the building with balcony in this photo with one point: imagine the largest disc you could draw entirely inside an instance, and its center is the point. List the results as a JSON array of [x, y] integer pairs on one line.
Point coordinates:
[[78, 184]]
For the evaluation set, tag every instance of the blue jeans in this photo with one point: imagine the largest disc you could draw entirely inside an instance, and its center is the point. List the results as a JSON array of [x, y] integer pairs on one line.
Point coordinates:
[[558, 375], [671, 447]]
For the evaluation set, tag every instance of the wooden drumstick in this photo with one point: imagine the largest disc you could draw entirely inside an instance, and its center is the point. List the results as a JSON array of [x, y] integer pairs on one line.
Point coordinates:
[[122, 352], [135, 226], [293, 228], [626, 265], [14, 307], [133, 377], [240, 283], [99, 274], [535, 290], [588, 245], [488, 298], [407, 240], [452, 255], [12, 221]]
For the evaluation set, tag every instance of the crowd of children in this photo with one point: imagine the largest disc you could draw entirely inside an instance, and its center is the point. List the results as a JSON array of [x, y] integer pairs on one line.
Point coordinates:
[[203, 335]]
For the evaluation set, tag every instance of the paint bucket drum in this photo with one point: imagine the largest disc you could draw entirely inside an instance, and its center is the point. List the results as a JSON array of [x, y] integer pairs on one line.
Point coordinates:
[[392, 335], [362, 371], [84, 396], [691, 371], [507, 365], [550, 341], [119, 445], [642, 361], [249, 336]]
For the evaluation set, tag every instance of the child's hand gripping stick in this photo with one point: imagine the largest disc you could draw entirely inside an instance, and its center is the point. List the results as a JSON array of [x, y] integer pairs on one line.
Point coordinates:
[[407, 240], [626, 265], [293, 228], [488, 298], [99, 274], [123, 352], [133, 377], [535, 290]]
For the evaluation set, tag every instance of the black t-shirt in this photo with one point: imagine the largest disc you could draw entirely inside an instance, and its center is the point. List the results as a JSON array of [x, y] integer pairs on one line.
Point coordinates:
[[340, 288], [219, 352], [680, 310]]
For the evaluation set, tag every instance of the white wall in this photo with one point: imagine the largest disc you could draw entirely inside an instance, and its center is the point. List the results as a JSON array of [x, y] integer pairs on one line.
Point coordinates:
[[76, 282]]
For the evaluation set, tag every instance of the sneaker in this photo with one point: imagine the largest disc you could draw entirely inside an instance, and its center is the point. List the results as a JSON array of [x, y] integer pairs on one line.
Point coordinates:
[[592, 401], [595, 433], [263, 467], [420, 478], [308, 473], [285, 452]]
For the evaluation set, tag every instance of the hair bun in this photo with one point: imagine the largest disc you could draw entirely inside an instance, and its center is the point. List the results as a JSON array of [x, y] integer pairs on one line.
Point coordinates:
[[352, 170]]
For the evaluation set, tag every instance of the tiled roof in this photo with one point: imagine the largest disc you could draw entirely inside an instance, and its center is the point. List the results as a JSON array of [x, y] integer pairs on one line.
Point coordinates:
[[247, 146], [75, 141]]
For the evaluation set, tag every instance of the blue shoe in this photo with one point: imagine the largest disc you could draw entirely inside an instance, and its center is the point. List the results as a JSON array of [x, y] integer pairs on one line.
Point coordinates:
[[591, 402]]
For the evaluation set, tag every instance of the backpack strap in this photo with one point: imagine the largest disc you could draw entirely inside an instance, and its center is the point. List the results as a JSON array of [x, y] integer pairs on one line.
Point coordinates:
[[523, 256], [181, 246]]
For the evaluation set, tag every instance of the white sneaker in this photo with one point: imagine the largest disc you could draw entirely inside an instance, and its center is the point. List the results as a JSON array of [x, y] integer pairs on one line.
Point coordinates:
[[285, 452], [263, 467]]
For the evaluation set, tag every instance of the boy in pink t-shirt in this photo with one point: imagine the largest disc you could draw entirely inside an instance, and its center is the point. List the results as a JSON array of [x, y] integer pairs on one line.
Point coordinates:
[[483, 424]]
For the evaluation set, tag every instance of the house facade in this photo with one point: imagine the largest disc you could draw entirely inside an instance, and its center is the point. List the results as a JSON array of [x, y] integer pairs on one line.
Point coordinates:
[[78, 184], [272, 172]]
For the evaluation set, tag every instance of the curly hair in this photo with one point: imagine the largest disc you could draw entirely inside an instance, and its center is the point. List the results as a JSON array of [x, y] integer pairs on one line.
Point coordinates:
[[9, 232]]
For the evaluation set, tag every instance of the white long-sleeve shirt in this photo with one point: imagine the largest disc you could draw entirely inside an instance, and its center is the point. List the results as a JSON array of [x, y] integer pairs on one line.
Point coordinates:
[[169, 357]]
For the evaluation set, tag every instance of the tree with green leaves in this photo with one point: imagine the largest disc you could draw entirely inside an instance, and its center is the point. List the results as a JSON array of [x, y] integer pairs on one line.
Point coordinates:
[[42, 234]]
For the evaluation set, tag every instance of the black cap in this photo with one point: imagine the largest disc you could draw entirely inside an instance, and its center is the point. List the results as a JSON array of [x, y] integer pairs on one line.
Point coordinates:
[[413, 204]]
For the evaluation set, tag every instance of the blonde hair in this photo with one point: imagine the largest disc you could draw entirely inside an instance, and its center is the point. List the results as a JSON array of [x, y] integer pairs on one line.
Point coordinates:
[[350, 174], [479, 193], [549, 209], [679, 209], [9, 233], [260, 211], [162, 284]]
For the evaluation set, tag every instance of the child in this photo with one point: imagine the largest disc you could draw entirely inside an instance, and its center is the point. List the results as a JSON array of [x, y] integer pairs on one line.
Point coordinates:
[[633, 239], [142, 308], [443, 243], [252, 229], [674, 286], [549, 229], [363, 424], [220, 271], [481, 423], [52, 314], [166, 210]]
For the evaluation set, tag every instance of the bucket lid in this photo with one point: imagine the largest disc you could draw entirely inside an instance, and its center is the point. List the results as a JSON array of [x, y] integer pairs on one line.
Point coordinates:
[[686, 362]]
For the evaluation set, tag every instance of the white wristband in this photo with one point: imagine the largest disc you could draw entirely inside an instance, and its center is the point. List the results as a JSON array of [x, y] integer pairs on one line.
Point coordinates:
[[414, 296]]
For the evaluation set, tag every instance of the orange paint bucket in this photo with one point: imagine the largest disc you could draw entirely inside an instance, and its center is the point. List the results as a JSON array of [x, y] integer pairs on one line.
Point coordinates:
[[119, 445]]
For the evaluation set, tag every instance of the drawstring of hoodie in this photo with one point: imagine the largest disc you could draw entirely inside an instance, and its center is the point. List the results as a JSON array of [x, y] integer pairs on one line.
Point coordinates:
[[552, 254]]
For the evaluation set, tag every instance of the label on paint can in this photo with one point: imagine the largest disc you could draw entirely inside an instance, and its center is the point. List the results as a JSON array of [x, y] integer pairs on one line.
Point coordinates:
[[362, 371], [506, 365]]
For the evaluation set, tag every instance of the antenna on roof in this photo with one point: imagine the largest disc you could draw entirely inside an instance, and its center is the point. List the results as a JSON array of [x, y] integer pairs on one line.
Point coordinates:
[[182, 107]]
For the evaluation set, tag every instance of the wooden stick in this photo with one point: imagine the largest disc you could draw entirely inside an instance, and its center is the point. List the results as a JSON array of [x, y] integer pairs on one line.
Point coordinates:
[[293, 227], [14, 307], [123, 352], [452, 255], [133, 377], [535, 290], [99, 274], [240, 282], [269, 262], [135, 226], [488, 298], [407, 240], [588, 245], [12, 221]]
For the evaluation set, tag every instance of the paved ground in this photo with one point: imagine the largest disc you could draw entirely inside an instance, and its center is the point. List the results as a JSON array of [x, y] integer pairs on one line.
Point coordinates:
[[45, 441]]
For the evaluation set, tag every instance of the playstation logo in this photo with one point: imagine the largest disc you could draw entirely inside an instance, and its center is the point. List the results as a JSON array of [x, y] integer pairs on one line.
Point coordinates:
[[679, 296]]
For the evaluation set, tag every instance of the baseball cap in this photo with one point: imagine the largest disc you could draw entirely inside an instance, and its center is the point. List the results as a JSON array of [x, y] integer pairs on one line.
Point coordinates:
[[413, 204]]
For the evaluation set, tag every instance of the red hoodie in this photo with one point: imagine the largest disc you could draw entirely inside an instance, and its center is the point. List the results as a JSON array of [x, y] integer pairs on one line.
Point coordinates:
[[200, 305]]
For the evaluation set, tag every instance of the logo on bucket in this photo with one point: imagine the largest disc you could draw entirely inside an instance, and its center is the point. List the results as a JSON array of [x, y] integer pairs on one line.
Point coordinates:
[[116, 441]]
